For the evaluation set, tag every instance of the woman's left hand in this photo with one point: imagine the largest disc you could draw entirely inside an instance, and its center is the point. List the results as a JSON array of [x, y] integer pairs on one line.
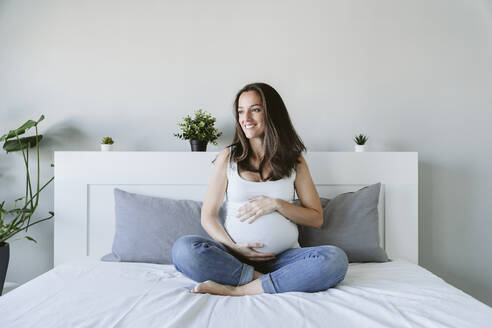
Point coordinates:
[[256, 207]]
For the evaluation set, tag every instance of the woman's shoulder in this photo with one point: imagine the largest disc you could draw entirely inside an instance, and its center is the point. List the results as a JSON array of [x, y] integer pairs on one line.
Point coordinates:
[[301, 163], [226, 152], [223, 156], [301, 160]]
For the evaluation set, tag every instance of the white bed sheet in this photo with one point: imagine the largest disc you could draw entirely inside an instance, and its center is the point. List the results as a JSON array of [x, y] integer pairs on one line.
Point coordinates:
[[90, 293]]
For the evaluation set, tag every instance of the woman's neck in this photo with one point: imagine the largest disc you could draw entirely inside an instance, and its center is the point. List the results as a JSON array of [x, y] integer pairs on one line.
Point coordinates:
[[257, 150]]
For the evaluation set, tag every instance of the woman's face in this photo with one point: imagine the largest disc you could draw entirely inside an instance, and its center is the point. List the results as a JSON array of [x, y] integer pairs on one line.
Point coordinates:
[[251, 114]]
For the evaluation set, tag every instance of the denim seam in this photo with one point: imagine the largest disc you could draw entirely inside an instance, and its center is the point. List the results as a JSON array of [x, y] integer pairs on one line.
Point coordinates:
[[247, 274], [267, 284]]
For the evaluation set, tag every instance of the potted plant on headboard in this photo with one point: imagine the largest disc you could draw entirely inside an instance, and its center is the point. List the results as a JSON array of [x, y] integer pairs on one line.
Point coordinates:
[[18, 218], [360, 142], [199, 130], [107, 144]]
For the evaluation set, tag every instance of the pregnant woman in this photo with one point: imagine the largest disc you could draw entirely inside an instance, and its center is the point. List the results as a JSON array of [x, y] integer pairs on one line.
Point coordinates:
[[257, 250]]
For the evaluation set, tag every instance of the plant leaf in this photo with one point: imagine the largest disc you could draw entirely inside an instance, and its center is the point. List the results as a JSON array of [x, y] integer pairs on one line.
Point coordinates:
[[21, 130], [20, 210], [22, 143], [31, 239]]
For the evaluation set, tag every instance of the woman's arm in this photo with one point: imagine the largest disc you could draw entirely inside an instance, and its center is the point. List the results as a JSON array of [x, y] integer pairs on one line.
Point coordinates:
[[214, 197], [309, 214]]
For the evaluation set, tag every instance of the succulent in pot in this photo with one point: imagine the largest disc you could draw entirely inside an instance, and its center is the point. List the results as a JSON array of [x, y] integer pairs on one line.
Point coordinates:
[[107, 144], [360, 142]]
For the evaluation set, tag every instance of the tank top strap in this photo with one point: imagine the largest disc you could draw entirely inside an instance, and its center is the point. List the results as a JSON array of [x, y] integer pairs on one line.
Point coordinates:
[[231, 165]]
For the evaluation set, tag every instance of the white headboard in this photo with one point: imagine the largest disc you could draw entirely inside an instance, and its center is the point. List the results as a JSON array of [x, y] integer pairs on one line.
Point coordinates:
[[84, 182]]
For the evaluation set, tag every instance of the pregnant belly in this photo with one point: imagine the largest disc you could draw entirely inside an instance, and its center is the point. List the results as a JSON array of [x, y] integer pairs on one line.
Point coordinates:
[[273, 230]]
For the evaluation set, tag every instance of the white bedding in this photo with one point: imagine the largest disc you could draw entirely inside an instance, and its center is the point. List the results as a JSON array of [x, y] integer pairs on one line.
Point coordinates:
[[90, 293]]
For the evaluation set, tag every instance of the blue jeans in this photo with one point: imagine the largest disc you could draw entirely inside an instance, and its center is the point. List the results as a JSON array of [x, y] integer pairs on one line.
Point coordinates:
[[308, 269]]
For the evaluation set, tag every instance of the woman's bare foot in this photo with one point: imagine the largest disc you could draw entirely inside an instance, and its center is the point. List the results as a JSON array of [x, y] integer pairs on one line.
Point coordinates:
[[211, 287]]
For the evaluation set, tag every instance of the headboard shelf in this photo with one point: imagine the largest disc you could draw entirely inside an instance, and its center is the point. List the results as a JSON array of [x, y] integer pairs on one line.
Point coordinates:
[[84, 182]]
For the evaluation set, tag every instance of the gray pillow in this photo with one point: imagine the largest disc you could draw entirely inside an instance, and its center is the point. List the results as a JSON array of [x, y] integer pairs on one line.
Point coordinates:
[[351, 223], [147, 227]]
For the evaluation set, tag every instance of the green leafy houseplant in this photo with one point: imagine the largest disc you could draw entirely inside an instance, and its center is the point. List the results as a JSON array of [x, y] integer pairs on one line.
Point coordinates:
[[107, 141], [18, 218], [361, 139], [201, 127]]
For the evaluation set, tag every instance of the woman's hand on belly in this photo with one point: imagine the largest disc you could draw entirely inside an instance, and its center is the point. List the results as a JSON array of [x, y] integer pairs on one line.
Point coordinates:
[[245, 251], [256, 207]]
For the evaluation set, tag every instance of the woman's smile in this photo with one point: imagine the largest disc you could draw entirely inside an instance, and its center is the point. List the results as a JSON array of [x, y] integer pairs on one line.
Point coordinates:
[[249, 125]]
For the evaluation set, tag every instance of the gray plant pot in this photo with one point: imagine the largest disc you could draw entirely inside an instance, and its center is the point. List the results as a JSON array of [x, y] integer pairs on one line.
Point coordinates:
[[4, 263]]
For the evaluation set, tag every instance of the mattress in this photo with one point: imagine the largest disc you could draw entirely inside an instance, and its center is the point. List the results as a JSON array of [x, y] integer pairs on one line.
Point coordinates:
[[91, 293]]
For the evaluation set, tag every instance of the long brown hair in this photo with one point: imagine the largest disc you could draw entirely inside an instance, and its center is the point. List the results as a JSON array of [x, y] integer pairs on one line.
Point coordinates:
[[281, 142]]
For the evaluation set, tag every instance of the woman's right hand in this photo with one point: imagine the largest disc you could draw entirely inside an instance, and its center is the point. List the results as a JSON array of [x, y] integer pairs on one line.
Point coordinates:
[[246, 251]]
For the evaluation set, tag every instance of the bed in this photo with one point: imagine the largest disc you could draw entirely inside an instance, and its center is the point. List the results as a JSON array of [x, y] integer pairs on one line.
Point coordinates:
[[82, 291]]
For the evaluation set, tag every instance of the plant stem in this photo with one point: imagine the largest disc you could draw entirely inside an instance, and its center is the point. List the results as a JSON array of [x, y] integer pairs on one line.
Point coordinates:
[[37, 157], [28, 180], [19, 230], [16, 220], [28, 177]]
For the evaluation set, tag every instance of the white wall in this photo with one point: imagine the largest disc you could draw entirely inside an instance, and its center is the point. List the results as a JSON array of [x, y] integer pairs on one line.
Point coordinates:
[[414, 75]]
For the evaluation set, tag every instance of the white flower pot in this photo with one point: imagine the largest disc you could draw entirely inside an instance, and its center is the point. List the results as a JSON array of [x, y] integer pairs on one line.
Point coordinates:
[[360, 148], [106, 147]]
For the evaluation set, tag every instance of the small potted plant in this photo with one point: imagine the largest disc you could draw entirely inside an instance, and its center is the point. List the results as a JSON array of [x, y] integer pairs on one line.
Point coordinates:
[[199, 130], [107, 144], [360, 142]]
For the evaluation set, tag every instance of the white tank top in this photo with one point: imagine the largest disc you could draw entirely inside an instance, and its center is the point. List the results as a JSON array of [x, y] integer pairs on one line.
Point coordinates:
[[274, 231]]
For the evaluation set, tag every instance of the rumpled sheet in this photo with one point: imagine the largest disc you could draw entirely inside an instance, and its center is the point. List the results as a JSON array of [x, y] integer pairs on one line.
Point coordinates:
[[90, 293]]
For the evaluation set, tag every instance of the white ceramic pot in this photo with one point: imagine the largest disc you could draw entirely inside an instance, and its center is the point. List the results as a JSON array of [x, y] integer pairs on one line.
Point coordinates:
[[360, 148], [106, 147]]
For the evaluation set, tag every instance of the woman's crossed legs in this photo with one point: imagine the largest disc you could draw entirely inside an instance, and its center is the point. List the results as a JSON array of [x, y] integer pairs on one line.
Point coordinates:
[[218, 271]]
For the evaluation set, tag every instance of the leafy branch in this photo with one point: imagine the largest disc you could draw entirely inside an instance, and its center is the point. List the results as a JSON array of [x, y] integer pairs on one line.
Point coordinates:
[[18, 219], [201, 127]]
